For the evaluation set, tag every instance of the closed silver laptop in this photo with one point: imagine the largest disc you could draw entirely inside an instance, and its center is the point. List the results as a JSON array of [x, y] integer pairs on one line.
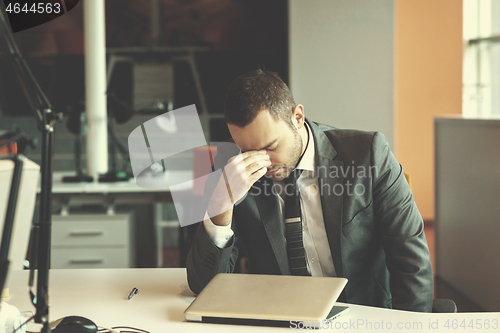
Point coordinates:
[[271, 300]]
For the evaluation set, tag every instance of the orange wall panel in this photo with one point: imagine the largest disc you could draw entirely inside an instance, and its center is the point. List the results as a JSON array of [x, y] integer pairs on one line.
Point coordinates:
[[428, 82]]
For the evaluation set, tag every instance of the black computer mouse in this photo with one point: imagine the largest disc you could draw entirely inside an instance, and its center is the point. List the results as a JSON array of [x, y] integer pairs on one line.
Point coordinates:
[[73, 324]]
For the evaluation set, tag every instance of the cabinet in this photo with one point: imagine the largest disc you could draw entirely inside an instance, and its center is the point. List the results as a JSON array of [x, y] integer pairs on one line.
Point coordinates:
[[91, 241], [467, 207]]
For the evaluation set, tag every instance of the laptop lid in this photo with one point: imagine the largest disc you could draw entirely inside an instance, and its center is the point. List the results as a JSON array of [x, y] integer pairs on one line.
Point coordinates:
[[267, 298]]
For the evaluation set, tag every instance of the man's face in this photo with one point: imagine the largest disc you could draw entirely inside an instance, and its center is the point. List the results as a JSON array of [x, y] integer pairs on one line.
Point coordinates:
[[283, 145]]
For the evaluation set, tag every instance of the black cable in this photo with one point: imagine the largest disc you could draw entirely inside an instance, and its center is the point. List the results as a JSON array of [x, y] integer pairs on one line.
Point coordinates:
[[27, 321]]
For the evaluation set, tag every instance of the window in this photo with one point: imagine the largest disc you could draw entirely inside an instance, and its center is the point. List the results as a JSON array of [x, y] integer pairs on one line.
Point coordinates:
[[481, 72]]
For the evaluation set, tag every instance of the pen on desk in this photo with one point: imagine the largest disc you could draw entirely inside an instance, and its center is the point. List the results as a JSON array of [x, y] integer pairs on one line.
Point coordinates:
[[132, 293]]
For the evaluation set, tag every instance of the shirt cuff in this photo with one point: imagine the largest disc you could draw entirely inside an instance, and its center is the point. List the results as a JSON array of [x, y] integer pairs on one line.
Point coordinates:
[[219, 235]]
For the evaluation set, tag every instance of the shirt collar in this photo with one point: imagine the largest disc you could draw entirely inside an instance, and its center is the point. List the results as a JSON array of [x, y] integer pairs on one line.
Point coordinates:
[[307, 161]]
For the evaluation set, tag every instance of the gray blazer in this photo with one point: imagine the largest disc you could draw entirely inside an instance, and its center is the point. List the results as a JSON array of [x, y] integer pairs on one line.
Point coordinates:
[[376, 234]]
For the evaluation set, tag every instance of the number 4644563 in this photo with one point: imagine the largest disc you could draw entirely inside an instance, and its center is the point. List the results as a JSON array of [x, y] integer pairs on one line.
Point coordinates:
[[36, 8]]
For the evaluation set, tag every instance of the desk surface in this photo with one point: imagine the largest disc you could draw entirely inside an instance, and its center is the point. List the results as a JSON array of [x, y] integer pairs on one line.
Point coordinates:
[[58, 187], [101, 295]]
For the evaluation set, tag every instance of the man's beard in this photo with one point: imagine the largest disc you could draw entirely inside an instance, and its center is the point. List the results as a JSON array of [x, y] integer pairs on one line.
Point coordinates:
[[292, 159]]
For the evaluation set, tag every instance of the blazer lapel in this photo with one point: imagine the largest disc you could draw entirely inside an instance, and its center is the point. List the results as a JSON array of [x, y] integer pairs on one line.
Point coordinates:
[[271, 219], [331, 187]]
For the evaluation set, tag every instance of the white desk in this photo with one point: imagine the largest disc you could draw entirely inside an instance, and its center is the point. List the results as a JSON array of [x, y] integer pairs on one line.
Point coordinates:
[[114, 193], [121, 193], [101, 295]]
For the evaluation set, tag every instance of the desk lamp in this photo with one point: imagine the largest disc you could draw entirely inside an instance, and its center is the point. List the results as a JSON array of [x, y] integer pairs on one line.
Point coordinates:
[[45, 118]]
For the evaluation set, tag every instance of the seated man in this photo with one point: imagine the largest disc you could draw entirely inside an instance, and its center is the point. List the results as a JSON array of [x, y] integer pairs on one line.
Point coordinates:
[[317, 201]]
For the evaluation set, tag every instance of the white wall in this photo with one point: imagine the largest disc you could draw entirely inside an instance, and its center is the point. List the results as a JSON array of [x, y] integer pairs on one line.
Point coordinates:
[[342, 62]]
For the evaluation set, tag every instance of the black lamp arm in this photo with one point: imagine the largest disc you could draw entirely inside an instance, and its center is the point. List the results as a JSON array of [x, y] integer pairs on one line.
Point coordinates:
[[42, 110], [9, 216]]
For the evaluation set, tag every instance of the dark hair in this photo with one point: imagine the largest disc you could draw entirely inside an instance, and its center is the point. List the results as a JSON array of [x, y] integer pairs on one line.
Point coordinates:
[[255, 91]]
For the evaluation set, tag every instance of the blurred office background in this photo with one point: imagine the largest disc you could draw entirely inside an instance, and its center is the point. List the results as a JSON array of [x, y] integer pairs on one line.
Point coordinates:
[[386, 65]]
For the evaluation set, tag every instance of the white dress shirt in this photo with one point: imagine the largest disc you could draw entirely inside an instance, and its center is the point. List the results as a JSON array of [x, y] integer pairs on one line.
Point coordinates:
[[318, 254]]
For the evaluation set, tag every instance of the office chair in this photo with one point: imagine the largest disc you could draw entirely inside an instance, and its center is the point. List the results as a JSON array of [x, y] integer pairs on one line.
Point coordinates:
[[438, 305]]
